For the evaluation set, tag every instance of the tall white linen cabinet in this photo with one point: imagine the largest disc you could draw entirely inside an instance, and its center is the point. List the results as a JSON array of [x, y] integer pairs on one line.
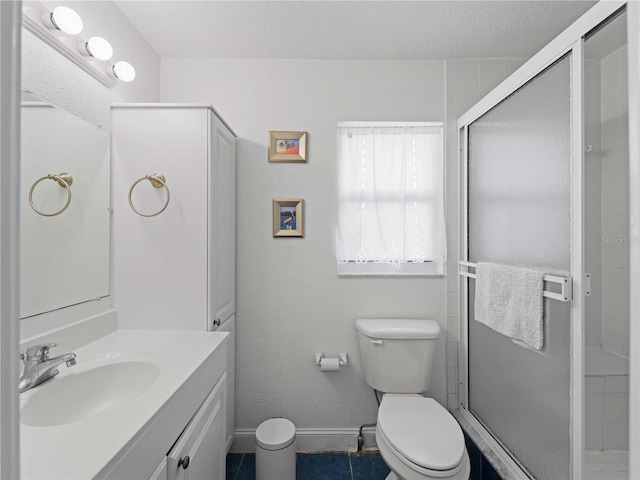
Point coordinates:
[[174, 259]]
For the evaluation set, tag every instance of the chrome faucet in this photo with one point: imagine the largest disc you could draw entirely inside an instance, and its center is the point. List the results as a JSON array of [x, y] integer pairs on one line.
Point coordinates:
[[38, 367]]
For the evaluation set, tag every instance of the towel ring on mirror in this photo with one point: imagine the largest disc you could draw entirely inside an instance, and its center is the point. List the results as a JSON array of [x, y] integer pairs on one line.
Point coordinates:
[[65, 180], [157, 181]]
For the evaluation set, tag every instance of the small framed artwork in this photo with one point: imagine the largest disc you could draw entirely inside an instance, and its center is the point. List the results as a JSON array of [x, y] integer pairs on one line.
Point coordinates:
[[288, 217], [287, 147]]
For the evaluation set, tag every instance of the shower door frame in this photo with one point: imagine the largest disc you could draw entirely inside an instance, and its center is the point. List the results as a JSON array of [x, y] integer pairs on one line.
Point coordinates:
[[571, 41], [633, 39]]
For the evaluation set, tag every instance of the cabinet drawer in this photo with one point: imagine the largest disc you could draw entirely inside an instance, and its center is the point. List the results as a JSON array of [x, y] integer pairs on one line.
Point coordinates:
[[200, 452]]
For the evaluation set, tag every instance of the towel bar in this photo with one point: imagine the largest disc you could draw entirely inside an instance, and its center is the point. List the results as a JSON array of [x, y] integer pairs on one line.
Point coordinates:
[[565, 294]]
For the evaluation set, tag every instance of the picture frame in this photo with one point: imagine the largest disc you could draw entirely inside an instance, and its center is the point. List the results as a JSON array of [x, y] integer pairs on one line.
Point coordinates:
[[287, 147], [288, 217]]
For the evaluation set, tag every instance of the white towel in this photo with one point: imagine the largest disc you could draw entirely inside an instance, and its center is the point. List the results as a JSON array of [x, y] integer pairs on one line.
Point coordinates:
[[509, 300]]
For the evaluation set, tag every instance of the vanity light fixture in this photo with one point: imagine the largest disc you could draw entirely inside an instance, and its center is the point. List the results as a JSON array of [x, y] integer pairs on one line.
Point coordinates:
[[59, 29], [64, 19], [96, 47], [123, 71]]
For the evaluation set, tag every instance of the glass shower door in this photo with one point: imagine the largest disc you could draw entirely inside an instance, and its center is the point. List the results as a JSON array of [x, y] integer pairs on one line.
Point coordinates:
[[519, 214]]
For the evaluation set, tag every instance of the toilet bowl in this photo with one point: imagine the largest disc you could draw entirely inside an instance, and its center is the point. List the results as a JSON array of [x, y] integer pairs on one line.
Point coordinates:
[[419, 439]]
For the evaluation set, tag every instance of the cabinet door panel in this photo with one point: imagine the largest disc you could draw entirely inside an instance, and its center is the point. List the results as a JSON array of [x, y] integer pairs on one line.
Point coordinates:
[[161, 472], [230, 326], [222, 232], [203, 441]]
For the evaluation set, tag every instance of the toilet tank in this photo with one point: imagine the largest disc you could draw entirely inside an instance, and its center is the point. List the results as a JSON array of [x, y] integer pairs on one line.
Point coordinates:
[[397, 354]]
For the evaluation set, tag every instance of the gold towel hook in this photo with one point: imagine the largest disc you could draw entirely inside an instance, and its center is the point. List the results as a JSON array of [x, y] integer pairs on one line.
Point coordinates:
[[65, 180], [157, 181]]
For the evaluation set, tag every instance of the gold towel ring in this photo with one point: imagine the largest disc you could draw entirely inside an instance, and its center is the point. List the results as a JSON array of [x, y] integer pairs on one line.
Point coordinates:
[[65, 180], [157, 180]]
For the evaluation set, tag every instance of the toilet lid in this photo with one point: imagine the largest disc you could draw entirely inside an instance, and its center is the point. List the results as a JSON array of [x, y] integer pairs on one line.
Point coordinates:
[[422, 430]]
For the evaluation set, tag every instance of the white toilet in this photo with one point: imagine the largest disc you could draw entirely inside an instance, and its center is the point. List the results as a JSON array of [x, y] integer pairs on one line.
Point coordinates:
[[417, 437]]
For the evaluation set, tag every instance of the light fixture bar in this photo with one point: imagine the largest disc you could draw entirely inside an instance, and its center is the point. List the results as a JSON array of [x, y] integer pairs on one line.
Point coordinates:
[[32, 12]]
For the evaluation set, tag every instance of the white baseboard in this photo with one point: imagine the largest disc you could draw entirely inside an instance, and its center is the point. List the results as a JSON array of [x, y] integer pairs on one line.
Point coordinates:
[[244, 441], [311, 440]]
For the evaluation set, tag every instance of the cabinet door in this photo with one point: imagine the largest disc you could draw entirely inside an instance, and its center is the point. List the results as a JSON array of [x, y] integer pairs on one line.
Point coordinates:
[[161, 472], [200, 452], [222, 227], [230, 326]]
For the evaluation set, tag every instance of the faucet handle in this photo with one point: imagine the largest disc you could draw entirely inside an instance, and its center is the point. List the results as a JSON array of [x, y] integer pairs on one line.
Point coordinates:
[[39, 351]]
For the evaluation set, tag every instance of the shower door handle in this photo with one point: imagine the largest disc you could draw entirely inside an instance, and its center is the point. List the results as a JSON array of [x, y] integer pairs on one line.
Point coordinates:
[[587, 284]]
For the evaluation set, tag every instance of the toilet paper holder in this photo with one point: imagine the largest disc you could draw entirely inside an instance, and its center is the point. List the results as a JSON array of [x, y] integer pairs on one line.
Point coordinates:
[[342, 358]]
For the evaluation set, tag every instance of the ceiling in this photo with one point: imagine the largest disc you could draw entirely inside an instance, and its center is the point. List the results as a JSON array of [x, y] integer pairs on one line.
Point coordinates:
[[351, 29]]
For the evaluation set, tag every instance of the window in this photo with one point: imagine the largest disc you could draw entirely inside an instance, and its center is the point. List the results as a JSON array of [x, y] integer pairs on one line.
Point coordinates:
[[390, 199]]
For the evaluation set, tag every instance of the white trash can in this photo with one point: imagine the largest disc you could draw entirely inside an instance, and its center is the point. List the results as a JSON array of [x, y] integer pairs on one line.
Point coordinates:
[[276, 450]]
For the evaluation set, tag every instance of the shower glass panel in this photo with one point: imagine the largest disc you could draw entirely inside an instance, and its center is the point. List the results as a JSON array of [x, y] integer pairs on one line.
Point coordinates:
[[607, 240], [519, 211]]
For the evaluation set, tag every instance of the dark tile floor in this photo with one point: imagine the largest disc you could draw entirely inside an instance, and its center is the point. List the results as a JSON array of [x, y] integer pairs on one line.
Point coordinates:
[[316, 466], [481, 469]]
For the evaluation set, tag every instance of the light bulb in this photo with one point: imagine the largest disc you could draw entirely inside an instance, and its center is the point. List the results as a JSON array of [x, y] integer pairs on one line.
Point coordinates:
[[97, 47], [124, 71], [63, 19]]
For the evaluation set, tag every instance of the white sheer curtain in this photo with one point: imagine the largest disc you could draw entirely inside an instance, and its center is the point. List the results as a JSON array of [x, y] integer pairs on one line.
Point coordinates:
[[390, 199]]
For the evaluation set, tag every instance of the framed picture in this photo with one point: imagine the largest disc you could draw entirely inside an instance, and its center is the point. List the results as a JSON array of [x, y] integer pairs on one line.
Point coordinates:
[[287, 147], [287, 217]]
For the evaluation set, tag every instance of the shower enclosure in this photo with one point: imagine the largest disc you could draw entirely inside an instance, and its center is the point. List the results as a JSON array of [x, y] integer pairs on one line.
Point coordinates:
[[545, 185], [519, 205], [607, 239]]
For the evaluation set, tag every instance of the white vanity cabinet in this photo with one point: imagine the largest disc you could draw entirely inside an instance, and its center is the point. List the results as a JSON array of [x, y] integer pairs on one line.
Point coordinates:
[[200, 451], [222, 228], [140, 419], [175, 270], [160, 473], [229, 325]]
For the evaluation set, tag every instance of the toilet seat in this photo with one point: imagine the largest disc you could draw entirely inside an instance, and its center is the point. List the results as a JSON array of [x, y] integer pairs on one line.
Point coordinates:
[[421, 434]]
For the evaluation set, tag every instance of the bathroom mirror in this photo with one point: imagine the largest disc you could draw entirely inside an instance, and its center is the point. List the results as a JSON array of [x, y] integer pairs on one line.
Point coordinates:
[[64, 219]]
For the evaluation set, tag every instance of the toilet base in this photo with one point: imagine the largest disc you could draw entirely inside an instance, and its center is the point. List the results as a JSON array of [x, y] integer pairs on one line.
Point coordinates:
[[391, 476]]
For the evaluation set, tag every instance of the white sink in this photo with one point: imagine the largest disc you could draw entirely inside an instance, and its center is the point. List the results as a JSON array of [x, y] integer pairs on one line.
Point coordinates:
[[76, 396], [129, 392]]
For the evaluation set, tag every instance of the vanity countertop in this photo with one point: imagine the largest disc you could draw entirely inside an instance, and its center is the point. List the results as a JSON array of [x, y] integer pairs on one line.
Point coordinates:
[[95, 445]]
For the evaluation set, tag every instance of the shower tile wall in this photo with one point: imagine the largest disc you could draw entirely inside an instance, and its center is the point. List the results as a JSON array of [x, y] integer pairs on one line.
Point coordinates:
[[615, 204], [593, 221], [467, 81], [607, 412], [607, 250], [607, 204]]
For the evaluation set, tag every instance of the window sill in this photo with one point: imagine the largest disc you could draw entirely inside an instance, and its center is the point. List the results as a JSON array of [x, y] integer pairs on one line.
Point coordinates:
[[432, 269]]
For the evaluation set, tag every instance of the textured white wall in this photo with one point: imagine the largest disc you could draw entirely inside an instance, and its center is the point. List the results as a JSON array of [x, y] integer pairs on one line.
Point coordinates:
[[52, 77], [290, 301]]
